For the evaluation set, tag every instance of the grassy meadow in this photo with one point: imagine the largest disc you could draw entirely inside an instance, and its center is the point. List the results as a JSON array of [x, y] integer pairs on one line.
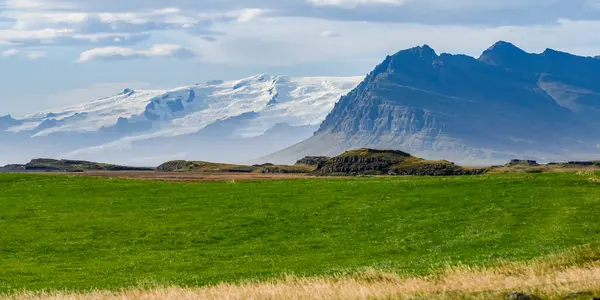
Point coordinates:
[[80, 234]]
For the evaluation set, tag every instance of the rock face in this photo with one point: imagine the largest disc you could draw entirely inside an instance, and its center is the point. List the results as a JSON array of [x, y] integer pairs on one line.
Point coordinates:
[[312, 160], [521, 162], [506, 103], [388, 162], [173, 166]]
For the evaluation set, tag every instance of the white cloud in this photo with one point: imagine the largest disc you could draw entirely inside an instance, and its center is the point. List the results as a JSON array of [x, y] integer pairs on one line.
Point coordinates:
[[354, 3], [54, 37], [9, 53], [30, 54], [119, 53], [83, 22], [330, 34], [35, 54], [37, 4], [292, 41], [115, 25], [42, 35], [32, 26], [249, 14]]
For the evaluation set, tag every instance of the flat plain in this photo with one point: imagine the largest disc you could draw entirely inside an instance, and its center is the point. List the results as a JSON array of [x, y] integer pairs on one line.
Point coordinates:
[[78, 234]]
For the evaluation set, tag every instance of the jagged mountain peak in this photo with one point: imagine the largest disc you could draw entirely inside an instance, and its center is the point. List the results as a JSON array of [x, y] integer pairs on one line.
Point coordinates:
[[502, 53], [556, 53], [128, 92], [420, 57], [424, 51], [464, 109], [504, 46]]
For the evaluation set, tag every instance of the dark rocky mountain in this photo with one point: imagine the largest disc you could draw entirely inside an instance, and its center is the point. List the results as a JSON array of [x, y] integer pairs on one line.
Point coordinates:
[[507, 103]]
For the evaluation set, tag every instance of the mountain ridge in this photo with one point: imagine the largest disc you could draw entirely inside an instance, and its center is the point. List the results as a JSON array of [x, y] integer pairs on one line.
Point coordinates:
[[135, 122], [507, 103]]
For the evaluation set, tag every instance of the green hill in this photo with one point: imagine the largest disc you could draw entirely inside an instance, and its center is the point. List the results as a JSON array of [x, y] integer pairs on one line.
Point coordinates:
[[66, 165], [209, 167], [82, 233]]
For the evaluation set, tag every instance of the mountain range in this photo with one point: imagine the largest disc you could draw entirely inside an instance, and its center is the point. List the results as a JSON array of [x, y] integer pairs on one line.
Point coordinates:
[[505, 104], [230, 121]]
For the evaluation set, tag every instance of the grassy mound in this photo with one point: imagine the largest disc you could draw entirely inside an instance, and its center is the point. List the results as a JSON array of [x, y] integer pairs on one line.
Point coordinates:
[[208, 167], [80, 233], [389, 162], [202, 166]]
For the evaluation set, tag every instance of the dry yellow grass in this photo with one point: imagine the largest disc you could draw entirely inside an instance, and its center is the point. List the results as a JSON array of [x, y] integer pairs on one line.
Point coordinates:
[[590, 174], [545, 169], [576, 271]]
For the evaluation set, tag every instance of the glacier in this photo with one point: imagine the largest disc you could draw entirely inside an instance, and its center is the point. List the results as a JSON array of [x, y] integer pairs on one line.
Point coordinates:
[[227, 121]]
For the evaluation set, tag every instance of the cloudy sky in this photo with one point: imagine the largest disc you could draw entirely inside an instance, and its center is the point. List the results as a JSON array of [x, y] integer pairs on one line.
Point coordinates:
[[59, 52]]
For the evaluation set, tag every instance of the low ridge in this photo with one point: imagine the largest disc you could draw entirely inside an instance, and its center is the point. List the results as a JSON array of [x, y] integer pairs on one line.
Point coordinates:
[[65, 165]]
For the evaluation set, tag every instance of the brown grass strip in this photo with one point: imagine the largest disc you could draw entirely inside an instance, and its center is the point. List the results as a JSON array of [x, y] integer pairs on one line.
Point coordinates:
[[551, 278]]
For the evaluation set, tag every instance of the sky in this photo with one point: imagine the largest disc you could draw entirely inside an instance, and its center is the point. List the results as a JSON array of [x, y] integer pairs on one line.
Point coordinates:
[[61, 52]]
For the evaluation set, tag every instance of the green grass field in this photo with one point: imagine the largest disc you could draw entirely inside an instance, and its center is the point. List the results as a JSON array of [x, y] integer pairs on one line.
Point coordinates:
[[82, 233]]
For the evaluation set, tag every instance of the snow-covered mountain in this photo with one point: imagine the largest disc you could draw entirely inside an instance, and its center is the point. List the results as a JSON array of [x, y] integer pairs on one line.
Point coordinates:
[[230, 121]]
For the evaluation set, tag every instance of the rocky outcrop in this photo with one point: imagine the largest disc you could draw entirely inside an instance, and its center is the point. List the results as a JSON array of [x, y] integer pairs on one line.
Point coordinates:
[[389, 162], [173, 166], [356, 165], [522, 162], [312, 160], [436, 169]]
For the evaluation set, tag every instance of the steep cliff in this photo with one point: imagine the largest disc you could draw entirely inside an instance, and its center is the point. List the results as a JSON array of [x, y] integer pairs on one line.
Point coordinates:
[[505, 104]]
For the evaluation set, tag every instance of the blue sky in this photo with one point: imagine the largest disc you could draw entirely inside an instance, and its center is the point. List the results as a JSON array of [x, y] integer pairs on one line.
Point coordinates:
[[59, 52]]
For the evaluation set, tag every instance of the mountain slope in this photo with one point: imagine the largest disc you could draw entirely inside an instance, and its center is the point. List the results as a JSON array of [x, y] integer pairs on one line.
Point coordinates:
[[217, 118], [507, 103]]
